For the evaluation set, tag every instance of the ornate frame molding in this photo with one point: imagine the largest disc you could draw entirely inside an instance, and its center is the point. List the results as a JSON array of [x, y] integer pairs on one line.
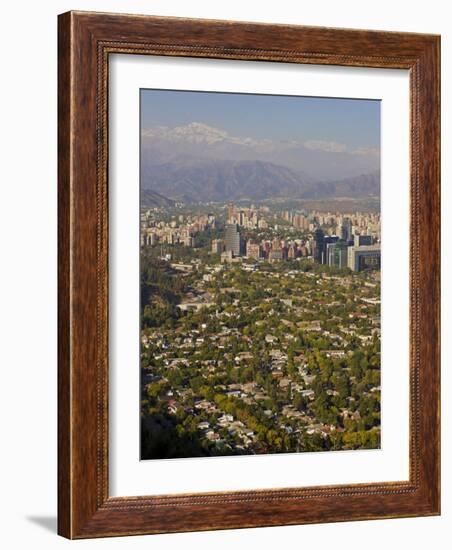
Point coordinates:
[[85, 42]]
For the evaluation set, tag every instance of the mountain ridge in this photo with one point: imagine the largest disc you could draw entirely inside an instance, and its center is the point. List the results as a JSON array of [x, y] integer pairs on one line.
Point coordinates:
[[322, 159], [149, 197], [191, 181]]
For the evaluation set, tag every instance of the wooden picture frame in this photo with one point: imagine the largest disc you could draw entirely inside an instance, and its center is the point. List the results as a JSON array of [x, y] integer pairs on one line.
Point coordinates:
[[85, 42]]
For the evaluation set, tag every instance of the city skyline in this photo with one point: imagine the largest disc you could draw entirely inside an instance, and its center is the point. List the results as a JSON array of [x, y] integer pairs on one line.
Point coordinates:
[[349, 240]]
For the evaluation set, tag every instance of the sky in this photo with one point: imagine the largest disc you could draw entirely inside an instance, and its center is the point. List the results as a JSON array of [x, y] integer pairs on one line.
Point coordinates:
[[352, 122]]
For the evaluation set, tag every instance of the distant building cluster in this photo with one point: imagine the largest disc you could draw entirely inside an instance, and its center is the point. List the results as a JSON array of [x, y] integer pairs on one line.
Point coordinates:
[[249, 218], [356, 244], [173, 231], [358, 252], [333, 239], [346, 225]]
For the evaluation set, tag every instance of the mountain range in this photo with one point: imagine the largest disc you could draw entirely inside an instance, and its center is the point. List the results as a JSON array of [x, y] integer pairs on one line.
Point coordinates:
[[153, 199], [198, 163]]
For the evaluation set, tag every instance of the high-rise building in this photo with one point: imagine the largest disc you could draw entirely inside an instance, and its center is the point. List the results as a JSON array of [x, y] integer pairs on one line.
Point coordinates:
[[253, 250], [232, 239], [329, 257], [362, 240], [288, 215], [276, 243], [266, 247], [336, 254], [318, 249], [362, 258], [231, 211], [300, 221], [346, 229], [327, 239], [292, 251]]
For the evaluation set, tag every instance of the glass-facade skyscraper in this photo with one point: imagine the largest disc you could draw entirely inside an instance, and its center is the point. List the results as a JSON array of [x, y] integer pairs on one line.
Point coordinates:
[[232, 239]]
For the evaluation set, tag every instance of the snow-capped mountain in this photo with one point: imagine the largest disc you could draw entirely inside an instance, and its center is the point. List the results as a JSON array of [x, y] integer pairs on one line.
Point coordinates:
[[313, 158], [197, 162]]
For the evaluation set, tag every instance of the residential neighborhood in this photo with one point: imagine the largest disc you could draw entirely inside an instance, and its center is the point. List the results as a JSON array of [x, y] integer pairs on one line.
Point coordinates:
[[248, 352]]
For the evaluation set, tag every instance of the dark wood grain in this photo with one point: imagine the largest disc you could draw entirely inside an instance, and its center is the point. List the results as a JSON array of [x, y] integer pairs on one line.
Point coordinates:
[[85, 42], [64, 295]]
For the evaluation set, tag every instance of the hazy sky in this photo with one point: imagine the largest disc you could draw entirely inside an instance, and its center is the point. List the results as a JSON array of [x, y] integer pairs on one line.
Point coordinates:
[[352, 122]]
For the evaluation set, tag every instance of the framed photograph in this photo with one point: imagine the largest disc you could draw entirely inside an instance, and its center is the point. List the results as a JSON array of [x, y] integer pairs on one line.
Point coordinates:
[[248, 275]]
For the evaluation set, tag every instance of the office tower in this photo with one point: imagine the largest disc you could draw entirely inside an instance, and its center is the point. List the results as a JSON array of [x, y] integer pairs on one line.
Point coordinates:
[[327, 240], [346, 229], [362, 240], [329, 253], [232, 239], [361, 258], [319, 245], [231, 212], [336, 254], [288, 215]]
